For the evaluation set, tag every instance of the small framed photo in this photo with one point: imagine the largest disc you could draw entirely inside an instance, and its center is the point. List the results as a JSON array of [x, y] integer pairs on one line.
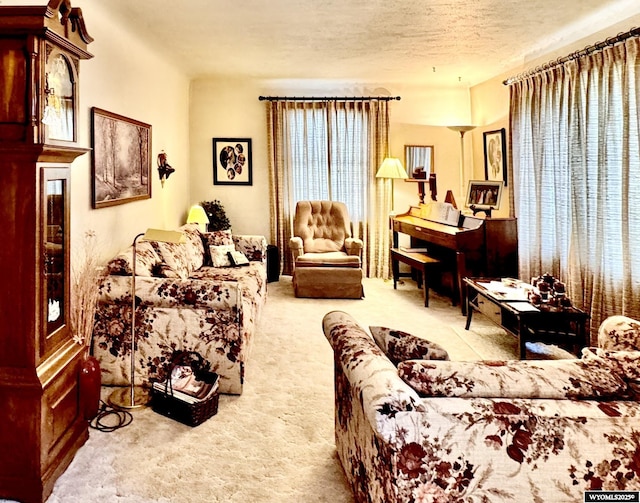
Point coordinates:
[[495, 155], [484, 194], [232, 161]]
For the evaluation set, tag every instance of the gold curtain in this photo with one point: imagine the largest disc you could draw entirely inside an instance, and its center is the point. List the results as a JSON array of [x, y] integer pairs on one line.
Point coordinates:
[[576, 161], [313, 148]]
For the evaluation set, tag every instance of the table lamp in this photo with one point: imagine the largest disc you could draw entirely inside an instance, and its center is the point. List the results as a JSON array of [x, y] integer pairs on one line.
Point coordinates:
[[198, 216], [391, 169], [134, 397]]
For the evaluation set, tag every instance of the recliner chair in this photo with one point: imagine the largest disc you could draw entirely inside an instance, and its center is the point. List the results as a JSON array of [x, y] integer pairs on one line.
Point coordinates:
[[326, 259]]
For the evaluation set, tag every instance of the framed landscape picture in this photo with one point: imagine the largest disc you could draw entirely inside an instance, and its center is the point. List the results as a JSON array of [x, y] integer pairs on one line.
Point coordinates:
[[495, 155], [121, 159], [232, 161]]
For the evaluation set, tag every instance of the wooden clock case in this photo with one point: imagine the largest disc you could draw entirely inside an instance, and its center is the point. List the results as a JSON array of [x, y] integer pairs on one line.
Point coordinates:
[[41, 420]]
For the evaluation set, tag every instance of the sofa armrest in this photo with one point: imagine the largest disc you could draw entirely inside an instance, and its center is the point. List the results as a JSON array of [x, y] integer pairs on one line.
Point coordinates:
[[370, 372], [619, 333], [253, 246], [172, 292], [353, 246]]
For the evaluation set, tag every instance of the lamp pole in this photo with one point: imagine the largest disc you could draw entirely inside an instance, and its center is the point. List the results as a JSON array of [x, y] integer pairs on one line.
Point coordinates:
[[462, 130]]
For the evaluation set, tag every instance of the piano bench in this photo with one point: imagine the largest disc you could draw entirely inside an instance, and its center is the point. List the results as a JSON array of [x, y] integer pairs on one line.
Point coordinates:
[[420, 261]]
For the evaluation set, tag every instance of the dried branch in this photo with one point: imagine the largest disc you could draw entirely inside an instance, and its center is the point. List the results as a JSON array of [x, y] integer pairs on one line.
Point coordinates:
[[86, 275]]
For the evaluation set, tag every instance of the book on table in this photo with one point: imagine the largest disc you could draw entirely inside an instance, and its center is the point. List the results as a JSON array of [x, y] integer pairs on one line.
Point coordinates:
[[184, 384], [413, 250]]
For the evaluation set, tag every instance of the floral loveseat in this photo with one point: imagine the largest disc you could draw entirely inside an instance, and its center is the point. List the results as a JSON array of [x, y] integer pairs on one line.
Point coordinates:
[[516, 431], [188, 300]]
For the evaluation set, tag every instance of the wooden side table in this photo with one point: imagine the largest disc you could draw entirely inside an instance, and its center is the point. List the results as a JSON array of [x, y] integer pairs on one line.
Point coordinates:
[[566, 327]]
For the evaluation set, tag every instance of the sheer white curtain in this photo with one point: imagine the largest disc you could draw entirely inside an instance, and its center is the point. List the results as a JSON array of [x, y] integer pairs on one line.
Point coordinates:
[[330, 150], [576, 163]]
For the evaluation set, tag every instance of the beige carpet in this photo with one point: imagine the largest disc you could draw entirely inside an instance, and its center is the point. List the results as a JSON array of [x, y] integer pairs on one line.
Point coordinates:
[[275, 442]]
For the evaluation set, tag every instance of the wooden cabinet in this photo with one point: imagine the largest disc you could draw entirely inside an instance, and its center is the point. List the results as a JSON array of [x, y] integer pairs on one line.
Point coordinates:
[[41, 422]]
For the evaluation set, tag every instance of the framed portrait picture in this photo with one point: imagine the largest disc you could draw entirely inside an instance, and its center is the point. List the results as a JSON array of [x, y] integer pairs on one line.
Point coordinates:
[[484, 194], [495, 155], [232, 161], [120, 159]]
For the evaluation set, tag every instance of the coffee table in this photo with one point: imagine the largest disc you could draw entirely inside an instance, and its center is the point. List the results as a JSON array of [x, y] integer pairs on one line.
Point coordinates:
[[509, 309]]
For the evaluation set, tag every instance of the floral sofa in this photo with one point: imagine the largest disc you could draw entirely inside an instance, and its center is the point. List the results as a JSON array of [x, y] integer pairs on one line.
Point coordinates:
[[188, 298], [483, 431]]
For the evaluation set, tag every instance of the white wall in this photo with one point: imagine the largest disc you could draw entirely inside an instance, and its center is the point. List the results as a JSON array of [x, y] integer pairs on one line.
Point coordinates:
[[228, 108], [133, 80]]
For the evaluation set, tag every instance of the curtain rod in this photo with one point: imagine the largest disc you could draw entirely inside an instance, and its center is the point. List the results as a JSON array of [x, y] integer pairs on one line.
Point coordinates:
[[633, 32], [328, 98]]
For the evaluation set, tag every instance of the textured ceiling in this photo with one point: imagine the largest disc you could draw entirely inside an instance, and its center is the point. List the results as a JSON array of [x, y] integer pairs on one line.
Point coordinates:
[[426, 42]]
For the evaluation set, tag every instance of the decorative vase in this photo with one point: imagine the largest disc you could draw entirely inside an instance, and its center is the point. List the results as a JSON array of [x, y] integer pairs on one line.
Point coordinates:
[[90, 384]]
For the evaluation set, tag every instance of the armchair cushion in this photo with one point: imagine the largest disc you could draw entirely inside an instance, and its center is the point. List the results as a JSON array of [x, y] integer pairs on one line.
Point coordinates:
[[330, 259], [552, 379]]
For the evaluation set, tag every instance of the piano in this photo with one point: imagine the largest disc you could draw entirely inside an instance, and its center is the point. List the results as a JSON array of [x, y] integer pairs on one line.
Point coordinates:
[[466, 245]]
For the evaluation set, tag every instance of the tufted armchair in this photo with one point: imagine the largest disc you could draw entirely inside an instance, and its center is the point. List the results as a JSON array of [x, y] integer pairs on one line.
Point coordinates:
[[326, 259]]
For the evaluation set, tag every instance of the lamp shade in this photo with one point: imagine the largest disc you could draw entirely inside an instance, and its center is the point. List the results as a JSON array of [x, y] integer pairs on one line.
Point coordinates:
[[391, 167], [197, 215], [164, 236]]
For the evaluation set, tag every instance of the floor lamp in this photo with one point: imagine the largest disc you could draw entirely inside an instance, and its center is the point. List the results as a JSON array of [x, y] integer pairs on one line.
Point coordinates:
[[391, 168], [462, 130], [134, 397]]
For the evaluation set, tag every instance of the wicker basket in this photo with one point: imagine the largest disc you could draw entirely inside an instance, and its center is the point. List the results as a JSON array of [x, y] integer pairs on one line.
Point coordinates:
[[164, 402], [191, 414]]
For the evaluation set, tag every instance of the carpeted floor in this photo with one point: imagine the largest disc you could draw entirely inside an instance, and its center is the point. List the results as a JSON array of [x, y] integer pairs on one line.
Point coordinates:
[[274, 443]]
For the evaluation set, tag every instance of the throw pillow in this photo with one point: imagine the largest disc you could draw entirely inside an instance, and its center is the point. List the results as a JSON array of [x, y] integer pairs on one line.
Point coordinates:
[[175, 256], [400, 346], [553, 379], [219, 255], [146, 259], [215, 238], [237, 258], [163, 270]]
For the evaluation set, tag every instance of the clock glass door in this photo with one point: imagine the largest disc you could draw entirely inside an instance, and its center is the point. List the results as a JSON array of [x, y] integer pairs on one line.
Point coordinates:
[[54, 254], [59, 109]]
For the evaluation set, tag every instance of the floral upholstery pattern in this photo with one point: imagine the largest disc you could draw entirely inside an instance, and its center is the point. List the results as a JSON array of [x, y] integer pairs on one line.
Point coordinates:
[[395, 446], [219, 255], [400, 346], [146, 260], [619, 333], [215, 238], [214, 311], [573, 379]]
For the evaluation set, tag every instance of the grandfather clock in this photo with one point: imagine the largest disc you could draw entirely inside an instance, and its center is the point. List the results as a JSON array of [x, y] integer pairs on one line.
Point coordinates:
[[41, 423]]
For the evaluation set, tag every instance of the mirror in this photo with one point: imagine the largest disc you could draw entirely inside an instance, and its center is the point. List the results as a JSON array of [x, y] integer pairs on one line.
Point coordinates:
[[418, 157]]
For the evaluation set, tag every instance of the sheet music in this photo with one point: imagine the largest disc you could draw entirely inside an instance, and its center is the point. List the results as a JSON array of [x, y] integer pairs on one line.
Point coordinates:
[[443, 213]]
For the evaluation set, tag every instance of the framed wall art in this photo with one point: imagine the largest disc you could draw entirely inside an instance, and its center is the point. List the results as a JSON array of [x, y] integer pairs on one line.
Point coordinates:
[[121, 159], [495, 155], [232, 161]]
